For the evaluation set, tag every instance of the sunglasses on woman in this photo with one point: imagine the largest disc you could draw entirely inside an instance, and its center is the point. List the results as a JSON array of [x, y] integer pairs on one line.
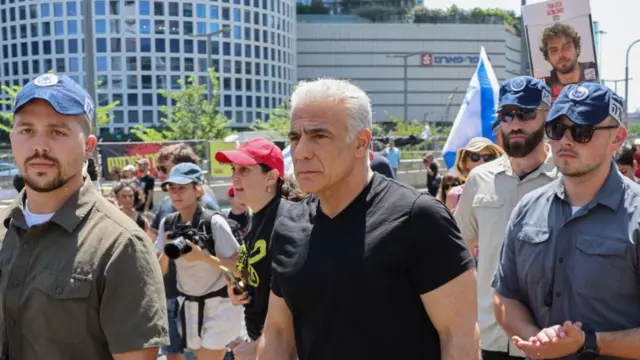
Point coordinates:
[[477, 157], [581, 134], [522, 114]]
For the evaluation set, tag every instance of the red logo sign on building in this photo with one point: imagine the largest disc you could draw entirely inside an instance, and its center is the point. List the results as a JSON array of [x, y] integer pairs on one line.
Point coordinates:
[[426, 59]]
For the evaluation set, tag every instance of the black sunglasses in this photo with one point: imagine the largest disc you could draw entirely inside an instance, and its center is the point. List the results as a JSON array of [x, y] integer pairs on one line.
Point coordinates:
[[522, 114], [162, 169], [477, 157], [581, 134]]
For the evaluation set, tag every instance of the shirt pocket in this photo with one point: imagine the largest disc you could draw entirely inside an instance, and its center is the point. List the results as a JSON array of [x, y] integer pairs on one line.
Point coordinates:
[[601, 266], [61, 306], [532, 252]]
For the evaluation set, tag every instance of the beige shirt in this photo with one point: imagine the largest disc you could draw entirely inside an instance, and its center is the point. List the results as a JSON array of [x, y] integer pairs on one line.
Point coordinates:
[[489, 196]]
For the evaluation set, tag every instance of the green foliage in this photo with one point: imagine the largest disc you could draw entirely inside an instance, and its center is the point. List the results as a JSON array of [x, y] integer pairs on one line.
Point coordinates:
[[405, 128], [633, 129], [454, 14], [279, 121], [103, 113], [191, 117], [380, 13], [316, 7]]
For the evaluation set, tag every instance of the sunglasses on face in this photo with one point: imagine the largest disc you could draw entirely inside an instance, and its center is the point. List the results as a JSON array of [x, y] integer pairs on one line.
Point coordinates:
[[581, 134], [163, 169], [522, 114], [477, 157]]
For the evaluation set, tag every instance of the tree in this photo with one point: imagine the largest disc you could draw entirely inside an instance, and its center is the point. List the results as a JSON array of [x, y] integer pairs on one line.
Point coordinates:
[[191, 117], [103, 113], [279, 120], [454, 14], [405, 128]]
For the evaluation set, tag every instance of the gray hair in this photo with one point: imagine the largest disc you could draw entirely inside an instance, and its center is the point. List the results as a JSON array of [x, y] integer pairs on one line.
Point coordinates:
[[354, 99]]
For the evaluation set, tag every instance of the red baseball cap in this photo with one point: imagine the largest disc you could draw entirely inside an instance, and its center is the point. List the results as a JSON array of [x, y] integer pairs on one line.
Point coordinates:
[[253, 152]]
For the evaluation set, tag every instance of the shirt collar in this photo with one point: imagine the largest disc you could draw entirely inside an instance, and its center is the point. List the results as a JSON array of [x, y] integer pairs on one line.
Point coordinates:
[[547, 168], [609, 194], [68, 216]]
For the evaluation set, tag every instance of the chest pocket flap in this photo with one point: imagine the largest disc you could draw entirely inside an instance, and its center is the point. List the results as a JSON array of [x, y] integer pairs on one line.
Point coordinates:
[[532, 234], [59, 286], [598, 246], [488, 200]]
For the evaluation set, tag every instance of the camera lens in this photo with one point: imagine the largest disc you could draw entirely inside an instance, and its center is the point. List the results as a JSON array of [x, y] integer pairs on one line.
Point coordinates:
[[175, 248]]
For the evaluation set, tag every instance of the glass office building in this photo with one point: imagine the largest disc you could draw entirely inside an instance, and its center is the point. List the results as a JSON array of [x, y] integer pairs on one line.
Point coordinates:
[[142, 46]]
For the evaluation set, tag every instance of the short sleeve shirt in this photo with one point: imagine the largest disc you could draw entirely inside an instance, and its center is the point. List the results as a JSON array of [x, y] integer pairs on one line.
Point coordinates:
[[576, 266], [353, 282], [489, 196], [61, 283]]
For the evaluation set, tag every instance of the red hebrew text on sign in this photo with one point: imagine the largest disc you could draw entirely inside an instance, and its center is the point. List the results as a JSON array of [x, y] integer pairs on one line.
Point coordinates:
[[554, 10]]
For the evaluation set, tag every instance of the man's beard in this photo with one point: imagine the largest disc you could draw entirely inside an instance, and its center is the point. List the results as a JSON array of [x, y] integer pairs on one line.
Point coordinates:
[[522, 149], [567, 70], [36, 185]]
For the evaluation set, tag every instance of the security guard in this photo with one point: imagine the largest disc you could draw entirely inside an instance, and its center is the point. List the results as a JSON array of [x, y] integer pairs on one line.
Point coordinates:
[[493, 189], [78, 278], [568, 285]]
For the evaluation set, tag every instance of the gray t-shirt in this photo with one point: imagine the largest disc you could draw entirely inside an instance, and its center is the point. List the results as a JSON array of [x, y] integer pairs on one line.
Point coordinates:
[[198, 278]]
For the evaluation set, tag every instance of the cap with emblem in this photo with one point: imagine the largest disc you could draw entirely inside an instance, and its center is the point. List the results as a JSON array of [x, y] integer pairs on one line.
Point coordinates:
[[65, 95], [185, 173], [587, 103], [525, 92]]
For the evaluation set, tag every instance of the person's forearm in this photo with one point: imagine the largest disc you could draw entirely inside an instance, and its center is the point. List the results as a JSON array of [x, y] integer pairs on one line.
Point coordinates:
[[622, 344], [147, 202], [272, 345], [164, 263], [461, 345], [216, 262], [515, 318]]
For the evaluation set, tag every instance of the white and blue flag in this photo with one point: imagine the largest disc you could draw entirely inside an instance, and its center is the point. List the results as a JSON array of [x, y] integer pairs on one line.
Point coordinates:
[[288, 163], [477, 111]]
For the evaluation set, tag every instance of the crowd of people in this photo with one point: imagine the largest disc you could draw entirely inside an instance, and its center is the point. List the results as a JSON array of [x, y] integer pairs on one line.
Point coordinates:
[[529, 251]]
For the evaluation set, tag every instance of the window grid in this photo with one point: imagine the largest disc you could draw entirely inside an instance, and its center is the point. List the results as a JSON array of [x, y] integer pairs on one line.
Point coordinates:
[[258, 50]]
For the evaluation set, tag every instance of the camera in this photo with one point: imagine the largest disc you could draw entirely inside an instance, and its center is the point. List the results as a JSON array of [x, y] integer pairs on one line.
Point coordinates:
[[177, 244]]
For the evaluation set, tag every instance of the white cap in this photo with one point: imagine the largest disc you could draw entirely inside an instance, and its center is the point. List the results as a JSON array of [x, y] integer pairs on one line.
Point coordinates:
[[129, 168]]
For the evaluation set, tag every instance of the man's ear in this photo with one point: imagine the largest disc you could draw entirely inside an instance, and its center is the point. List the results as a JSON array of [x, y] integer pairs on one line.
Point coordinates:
[[90, 145], [363, 142]]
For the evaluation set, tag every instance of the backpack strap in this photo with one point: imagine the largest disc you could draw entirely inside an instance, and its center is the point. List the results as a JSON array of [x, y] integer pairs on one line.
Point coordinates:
[[140, 221], [170, 221], [204, 225]]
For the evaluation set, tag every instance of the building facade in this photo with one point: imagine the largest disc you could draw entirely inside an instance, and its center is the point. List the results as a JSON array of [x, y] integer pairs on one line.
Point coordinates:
[[145, 46], [441, 59]]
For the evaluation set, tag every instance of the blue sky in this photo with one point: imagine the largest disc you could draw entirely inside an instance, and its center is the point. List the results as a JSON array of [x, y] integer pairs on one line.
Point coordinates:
[[620, 23]]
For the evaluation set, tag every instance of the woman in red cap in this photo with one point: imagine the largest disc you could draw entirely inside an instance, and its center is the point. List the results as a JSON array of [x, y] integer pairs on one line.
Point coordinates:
[[259, 182]]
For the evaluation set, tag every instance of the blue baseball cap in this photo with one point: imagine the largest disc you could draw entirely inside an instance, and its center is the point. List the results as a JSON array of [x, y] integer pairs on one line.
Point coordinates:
[[525, 92], [185, 173], [66, 96], [587, 103]]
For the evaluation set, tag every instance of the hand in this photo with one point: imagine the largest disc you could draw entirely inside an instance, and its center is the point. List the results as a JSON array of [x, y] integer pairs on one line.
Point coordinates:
[[553, 342], [241, 299], [243, 350], [196, 253]]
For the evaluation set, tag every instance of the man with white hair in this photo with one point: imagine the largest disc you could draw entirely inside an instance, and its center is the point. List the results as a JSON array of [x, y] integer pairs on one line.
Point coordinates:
[[356, 273]]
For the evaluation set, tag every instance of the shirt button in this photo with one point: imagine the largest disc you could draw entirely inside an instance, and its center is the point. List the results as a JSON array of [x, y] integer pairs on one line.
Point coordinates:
[[26, 246], [561, 260], [16, 284], [558, 294], [59, 291], [12, 323]]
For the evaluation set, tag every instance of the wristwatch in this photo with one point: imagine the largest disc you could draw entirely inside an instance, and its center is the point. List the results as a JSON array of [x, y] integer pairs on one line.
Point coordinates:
[[590, 349]]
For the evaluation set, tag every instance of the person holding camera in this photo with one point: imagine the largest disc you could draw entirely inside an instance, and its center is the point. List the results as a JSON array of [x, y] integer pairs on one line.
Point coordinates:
[[199, 241], [258, 181]]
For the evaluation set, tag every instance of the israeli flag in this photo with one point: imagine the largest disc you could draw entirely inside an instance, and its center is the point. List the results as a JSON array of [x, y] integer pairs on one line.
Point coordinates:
[[288, 163], [477, 111]]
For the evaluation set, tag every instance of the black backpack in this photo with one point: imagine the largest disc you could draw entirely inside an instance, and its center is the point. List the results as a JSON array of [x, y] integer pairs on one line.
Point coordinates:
[[204, 225]]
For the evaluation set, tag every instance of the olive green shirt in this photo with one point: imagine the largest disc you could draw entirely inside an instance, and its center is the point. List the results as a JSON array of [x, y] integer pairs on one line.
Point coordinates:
[[84, 285]]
